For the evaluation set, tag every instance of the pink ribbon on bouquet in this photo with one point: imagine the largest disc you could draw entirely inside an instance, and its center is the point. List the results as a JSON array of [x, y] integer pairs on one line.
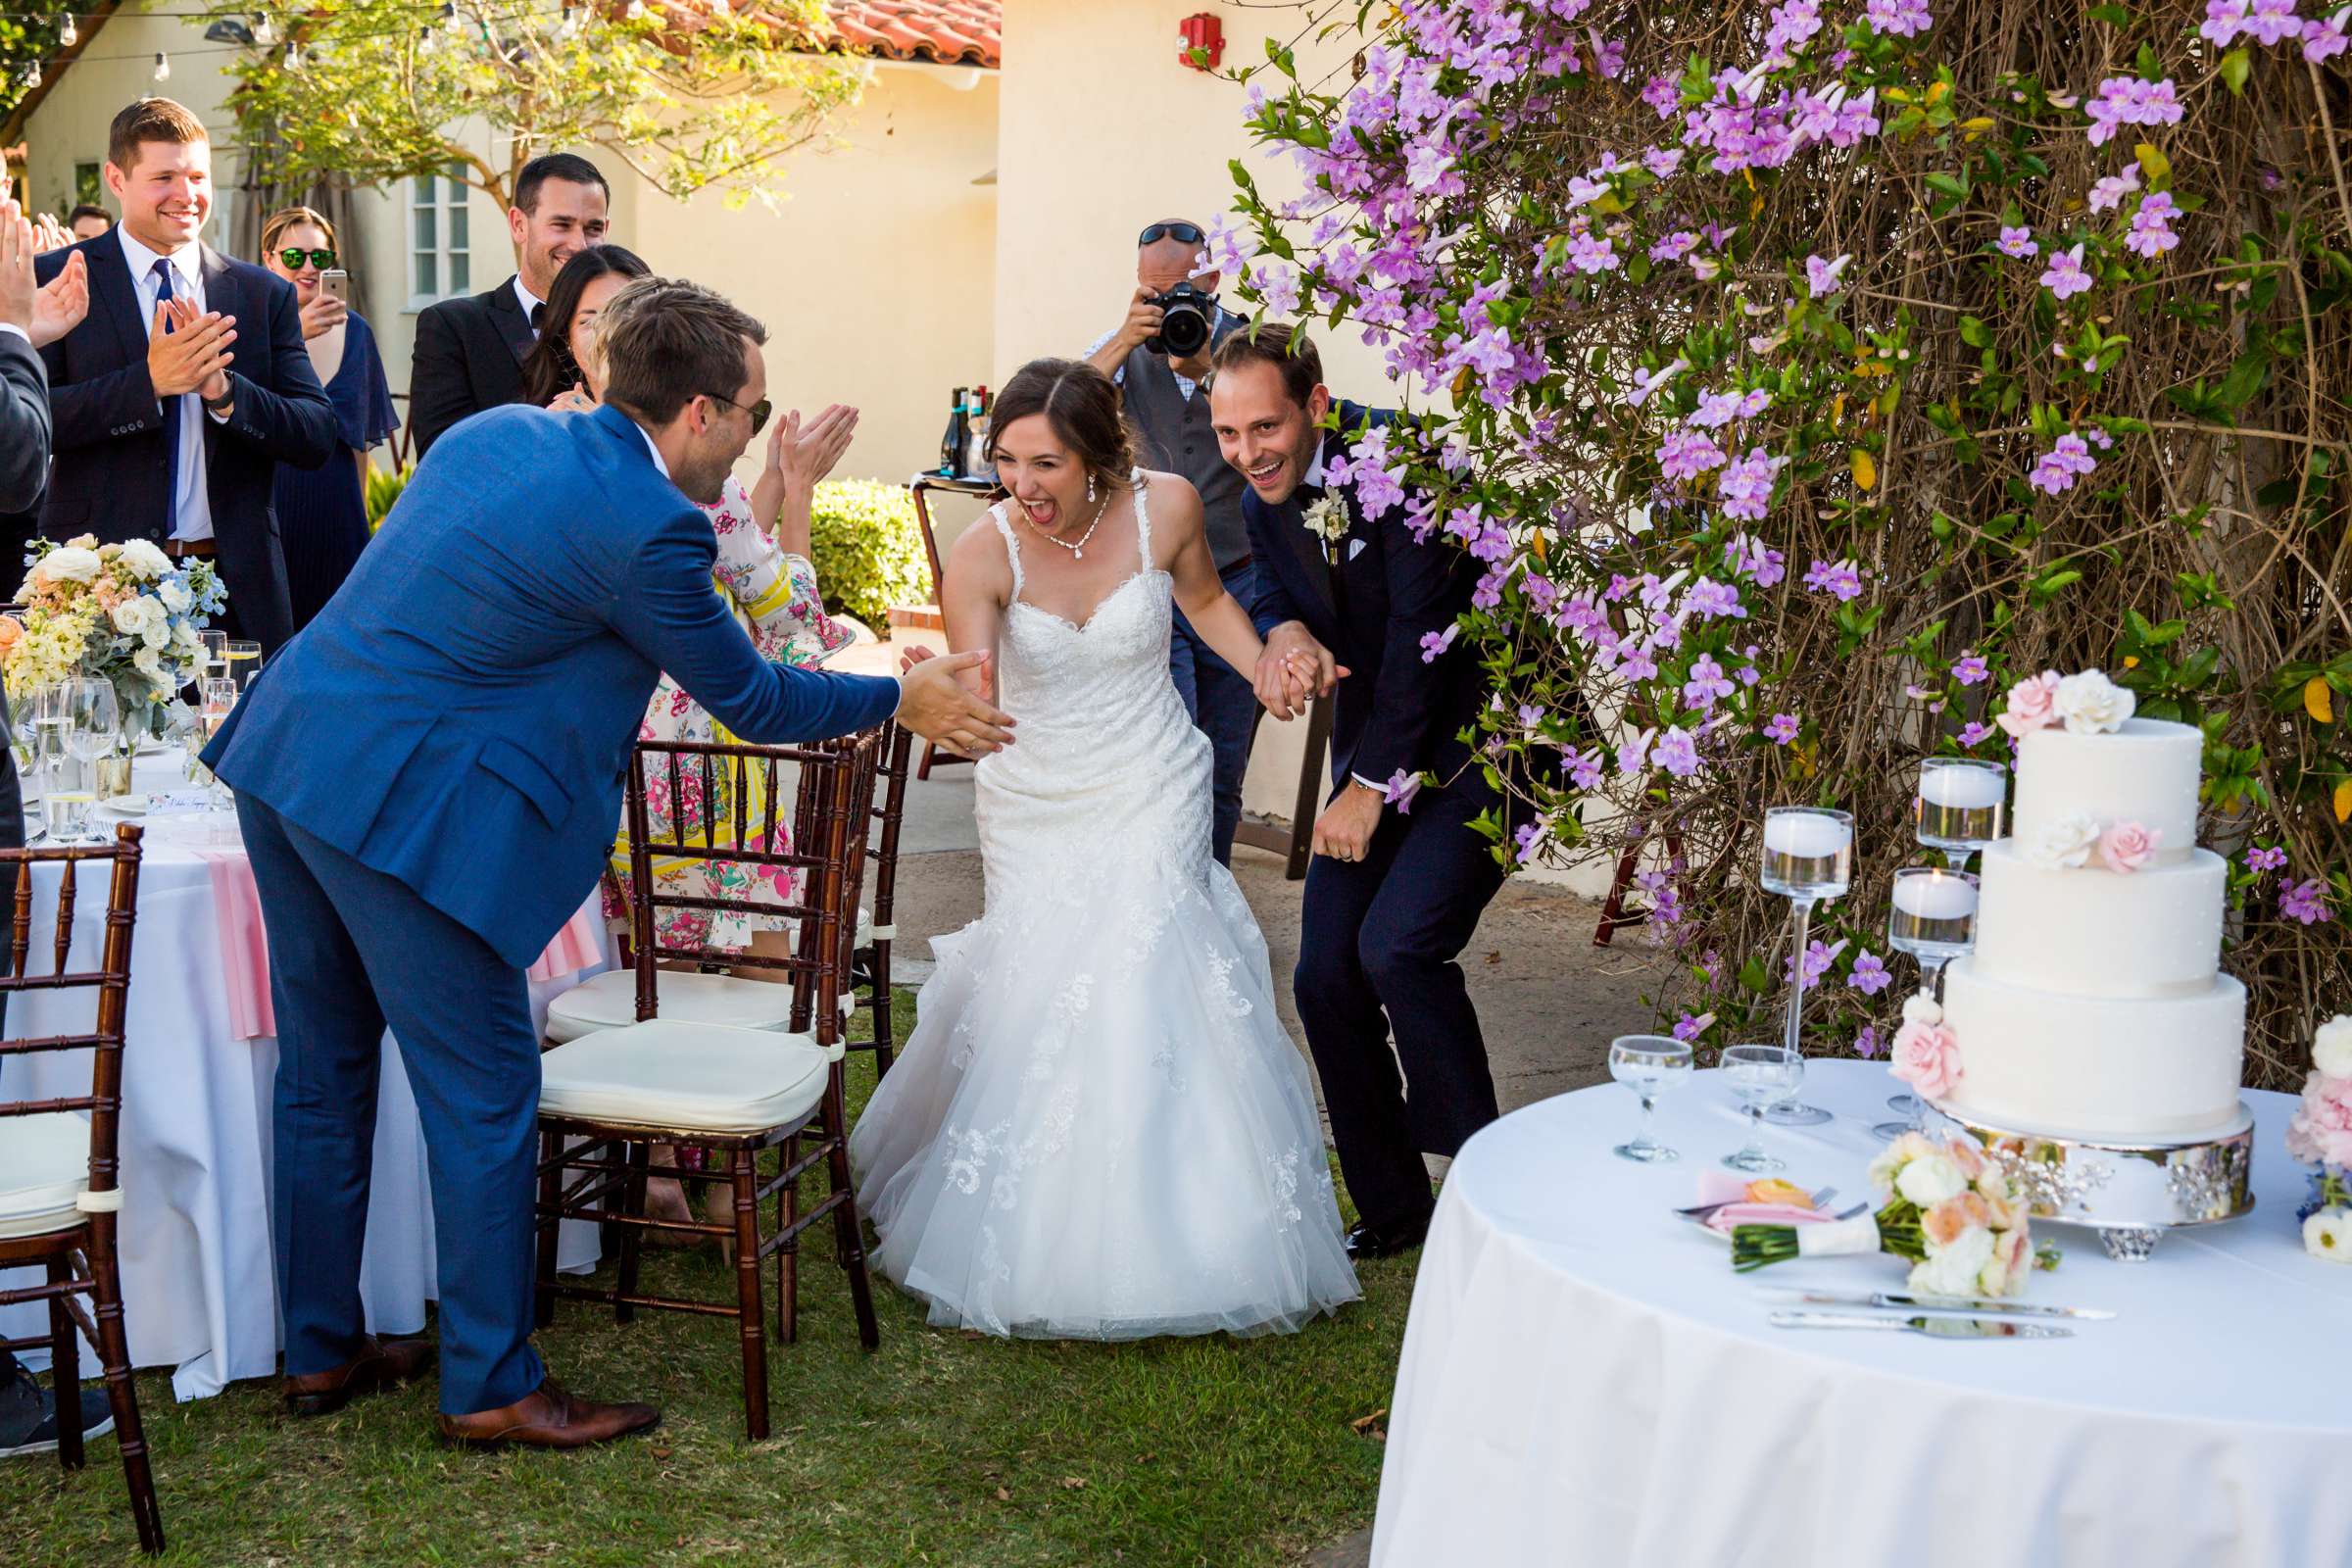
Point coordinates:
[[245, 944]]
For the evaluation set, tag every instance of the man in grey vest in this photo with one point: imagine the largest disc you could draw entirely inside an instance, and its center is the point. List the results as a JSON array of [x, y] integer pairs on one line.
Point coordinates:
[[1165, 400]]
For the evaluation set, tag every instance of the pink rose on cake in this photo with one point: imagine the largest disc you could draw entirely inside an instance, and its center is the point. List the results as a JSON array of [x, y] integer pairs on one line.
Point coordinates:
[[2033, 704], [1926, 1057], [2126, 846]]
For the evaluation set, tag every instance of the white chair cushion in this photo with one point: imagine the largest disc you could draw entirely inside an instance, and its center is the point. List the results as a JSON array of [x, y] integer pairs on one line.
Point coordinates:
[[608, 1000], [691, 1077], [44, 1166]]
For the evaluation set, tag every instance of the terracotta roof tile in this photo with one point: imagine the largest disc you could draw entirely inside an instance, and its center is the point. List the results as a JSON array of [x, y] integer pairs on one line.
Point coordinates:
[[947, 32]]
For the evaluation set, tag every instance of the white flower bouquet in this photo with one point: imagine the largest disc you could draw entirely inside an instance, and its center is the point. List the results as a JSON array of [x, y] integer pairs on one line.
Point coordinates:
[[1945, 1208], [125, 614]]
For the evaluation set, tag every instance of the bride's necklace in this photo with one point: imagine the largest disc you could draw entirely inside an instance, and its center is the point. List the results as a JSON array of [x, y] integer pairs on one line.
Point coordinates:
[[1077, 551]]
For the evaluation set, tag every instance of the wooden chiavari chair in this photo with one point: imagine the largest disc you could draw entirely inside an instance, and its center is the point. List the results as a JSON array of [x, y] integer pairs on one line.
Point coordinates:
[[58, 1189], [680, 1076], [869, 968]]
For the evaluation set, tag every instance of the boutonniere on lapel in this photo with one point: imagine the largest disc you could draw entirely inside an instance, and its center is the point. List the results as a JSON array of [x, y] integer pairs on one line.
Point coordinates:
[[1327, 519]]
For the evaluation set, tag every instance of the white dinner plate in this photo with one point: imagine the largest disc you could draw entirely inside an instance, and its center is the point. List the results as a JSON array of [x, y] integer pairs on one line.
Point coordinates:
[[128, 805]]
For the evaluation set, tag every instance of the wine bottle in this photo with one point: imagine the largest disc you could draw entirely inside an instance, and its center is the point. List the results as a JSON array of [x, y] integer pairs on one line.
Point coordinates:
[[951, 444], [975, 452]]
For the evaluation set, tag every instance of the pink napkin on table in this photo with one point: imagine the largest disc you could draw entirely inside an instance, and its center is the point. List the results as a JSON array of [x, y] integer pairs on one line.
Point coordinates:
[[244, 945], [1726, 1188], [578, 945]]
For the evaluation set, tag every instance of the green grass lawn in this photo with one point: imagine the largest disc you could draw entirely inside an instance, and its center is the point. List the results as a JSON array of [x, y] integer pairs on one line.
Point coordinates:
[[941, 1447]]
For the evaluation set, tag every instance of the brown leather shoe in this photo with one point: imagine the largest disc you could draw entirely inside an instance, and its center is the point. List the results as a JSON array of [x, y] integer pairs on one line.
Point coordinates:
[[383, 1364], [548, 1419]]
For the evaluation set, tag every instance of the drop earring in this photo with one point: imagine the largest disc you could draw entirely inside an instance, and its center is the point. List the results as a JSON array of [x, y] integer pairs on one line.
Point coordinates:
[[1090, 489]]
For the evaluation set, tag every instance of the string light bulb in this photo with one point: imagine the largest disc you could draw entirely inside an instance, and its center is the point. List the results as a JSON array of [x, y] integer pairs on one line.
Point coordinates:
[[293, 55], [67, 35], [32, 76], [635, 11], [569, 26], [162, 66], [428, 40], [263, 28]]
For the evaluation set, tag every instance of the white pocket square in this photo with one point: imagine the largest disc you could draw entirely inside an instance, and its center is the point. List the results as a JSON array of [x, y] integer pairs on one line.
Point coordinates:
[[1356, 548]]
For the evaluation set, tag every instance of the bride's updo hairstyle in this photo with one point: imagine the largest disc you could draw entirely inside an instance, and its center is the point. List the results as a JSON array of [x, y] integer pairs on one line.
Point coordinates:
[[1081, 405]]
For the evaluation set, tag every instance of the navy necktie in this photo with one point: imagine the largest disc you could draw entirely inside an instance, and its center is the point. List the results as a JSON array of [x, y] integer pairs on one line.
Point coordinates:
[[171, 405]]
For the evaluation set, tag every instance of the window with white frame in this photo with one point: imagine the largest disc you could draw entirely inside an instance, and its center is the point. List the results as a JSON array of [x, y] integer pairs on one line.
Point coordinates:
[[440, 262]]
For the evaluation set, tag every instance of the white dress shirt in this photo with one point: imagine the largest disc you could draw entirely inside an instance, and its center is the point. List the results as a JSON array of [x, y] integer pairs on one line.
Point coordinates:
[[531, 302], [14, 330], [191, 502]]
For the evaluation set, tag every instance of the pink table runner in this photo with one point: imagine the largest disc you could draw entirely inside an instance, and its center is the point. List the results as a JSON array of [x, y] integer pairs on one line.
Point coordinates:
[[245, 948]]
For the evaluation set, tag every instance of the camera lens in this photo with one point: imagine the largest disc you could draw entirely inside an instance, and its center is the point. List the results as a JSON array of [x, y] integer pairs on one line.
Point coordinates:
[[1184, 330]]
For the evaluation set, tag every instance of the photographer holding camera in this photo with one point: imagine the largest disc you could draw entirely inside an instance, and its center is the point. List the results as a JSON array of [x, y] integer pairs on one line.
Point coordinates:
[[1159, 355]]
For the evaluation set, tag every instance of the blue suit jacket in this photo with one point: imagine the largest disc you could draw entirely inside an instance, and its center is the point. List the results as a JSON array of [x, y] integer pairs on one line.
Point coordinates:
[[1394, 710], [461, 715]]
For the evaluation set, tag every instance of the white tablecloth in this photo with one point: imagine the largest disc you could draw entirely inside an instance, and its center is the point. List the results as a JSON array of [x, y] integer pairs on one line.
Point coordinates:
[[198, 1276], [1586, 1381]]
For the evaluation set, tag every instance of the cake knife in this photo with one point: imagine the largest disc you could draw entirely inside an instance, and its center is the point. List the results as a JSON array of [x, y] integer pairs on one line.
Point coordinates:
[[1939, 1328], [1935, 1303]]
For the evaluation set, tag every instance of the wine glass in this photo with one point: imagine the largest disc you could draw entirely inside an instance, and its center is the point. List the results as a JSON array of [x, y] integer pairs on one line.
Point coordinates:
[[1934, 919], [1809, 855], [1650, 1065], [93, 729], [1958, 809], [1761, 1076], [244, 661]]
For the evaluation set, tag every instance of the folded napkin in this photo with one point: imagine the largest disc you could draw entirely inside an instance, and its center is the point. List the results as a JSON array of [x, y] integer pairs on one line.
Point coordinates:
[[1732, 1215], [580, 944], [244, 942]]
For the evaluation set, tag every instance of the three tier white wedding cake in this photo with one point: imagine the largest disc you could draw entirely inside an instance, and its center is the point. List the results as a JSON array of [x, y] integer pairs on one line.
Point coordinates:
[[2094, 1008]]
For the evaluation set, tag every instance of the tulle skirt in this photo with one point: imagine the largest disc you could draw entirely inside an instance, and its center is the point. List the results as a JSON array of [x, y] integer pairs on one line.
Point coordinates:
[[1099, 1129]]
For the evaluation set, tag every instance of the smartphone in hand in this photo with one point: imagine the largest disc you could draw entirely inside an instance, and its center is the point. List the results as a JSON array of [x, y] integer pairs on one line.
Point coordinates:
[[336, 282]]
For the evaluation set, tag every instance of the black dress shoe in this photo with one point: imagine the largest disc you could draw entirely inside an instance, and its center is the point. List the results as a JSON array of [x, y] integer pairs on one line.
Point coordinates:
[[1364, 1242]]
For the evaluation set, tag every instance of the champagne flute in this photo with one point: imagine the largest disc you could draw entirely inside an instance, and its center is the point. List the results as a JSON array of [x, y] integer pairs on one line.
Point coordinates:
[[94, 728], [1809, 855], [218, 694], [1650, 1065], [1934, 919], [1760, 1077], [244, 663]]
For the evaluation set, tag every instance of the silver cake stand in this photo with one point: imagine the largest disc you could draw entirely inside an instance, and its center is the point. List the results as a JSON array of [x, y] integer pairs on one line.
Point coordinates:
[[2130, 1192]]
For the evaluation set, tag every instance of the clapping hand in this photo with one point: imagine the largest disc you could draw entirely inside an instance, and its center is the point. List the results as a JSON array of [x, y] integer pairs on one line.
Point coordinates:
[[801, 452], [193, 355], [48, 234]]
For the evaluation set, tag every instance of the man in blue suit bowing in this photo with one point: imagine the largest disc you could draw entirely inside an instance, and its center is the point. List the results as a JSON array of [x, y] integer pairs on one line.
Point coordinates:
[[1398, 880], [428, 778]]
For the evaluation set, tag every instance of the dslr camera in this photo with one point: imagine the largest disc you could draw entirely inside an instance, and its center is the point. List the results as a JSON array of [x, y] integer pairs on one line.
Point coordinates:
[[1184, 326]]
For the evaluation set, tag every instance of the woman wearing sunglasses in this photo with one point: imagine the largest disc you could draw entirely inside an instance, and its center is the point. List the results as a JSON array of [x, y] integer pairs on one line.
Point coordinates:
[[322, 513]]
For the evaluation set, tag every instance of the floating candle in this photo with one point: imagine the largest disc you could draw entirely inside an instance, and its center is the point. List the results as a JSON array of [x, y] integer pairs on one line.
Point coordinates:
[[1968, 787], [1935, 896], [1806, 834]]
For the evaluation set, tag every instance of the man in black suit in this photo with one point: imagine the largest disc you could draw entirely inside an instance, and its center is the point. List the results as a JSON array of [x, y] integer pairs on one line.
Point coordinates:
[[1398, 881], [29, 317], [188, 385], [469, 352]]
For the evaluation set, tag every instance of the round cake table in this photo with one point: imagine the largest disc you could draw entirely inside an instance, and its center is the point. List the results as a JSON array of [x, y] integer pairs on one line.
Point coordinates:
[[1585, 1380]]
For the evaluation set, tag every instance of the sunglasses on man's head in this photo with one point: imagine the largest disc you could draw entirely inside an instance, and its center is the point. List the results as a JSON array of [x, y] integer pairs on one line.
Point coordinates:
[[758, 410], [1180, 233], [296, 256]]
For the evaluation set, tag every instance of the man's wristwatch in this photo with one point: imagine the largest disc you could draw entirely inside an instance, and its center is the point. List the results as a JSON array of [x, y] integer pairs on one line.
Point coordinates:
[[221, 403]]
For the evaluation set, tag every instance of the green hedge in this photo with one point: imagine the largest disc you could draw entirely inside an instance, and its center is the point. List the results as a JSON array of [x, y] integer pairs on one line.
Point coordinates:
[[867, 549]]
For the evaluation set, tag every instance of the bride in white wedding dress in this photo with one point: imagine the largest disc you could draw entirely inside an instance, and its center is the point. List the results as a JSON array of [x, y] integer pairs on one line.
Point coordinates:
[[1099, 1129]]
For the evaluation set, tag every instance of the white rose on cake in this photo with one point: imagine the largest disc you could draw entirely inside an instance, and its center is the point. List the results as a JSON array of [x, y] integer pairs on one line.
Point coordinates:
[[2065, 841], [2090, 704], [2332, 1047]]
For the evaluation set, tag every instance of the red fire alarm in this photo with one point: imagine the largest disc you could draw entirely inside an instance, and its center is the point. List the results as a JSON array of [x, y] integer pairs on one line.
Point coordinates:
[[1204, 39]]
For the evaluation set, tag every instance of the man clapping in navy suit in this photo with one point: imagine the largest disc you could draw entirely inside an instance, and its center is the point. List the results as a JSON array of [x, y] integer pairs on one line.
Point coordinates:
[[1396, 887]]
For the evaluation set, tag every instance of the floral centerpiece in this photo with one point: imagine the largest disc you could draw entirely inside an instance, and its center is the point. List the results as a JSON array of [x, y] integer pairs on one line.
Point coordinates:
[[2321, 1136], [126, 614], [1945, 1207]]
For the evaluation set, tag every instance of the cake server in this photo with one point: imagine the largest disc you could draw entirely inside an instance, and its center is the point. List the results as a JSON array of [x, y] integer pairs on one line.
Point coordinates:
[[1935, 1303], [1938, 1327]]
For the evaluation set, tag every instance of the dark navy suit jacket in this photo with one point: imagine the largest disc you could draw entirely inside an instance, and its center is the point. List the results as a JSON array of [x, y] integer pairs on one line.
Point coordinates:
[[460, 715], [113, 475], [1395, 710]]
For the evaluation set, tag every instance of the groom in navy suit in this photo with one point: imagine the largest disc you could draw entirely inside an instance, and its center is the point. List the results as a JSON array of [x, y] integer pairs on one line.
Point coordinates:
[[428, 779], [1395, 887]]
